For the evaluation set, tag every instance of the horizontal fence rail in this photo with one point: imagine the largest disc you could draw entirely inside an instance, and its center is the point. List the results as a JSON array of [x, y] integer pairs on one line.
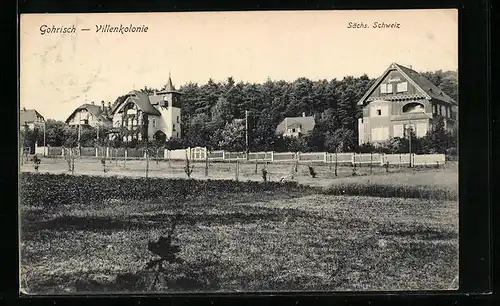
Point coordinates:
[[202, 154]]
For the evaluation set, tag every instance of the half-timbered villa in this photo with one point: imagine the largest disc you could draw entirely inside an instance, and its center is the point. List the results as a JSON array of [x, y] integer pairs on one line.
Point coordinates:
[[90, 114], [401, 100], [139, 115]]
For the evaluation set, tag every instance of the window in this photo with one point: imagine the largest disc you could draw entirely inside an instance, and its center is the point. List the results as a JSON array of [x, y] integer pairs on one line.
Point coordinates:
[[402, 87], [389, 88], [443, 110], [177, 119], [398, 130], [434, 108], [173, 128], [293, 130], [383, 88], [380, 134], [421, 129], [154, 122], [379, 109]]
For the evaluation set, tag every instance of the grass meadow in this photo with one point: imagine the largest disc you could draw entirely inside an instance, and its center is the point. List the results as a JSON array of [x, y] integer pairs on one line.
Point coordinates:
[[380, 231]]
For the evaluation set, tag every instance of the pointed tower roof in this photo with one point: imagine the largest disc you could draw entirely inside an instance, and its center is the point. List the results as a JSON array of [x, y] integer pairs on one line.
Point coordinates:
[[169, 88]]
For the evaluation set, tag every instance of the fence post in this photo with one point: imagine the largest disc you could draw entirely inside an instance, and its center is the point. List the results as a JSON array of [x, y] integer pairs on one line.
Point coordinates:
[[206, 162], [223, 155], [256, 163], [237, 169], [325, 157], [336, 163], [272, 156], [125, 160], [371, 163], [107, 152], [353, 159], [96, 151]]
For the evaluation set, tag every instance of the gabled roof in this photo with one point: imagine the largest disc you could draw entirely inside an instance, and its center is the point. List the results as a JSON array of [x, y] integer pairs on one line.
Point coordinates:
[[155, 99], [95, 110], [141, 100], [29, 115], [429, 90], [306, 124]]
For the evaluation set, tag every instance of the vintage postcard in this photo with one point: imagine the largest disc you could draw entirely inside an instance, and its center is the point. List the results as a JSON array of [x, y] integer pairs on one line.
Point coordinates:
[[238, 152]]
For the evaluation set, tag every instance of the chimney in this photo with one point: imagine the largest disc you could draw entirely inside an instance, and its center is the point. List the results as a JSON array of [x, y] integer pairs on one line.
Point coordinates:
[[93, 103], [303, 114], [102, 105]]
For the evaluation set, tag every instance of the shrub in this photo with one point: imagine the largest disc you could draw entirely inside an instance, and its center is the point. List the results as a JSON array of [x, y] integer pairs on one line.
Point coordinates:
[[48, 189], [389, 191]]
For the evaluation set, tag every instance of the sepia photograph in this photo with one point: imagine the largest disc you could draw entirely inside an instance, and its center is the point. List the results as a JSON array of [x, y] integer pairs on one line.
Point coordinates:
[[238, 151]]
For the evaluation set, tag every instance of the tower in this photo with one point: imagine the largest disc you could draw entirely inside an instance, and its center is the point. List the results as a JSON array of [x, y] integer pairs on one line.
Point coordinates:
[[170, 109], [170, 96]]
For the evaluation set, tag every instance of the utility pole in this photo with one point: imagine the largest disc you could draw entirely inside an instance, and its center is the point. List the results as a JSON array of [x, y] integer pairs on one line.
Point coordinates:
[[409, 137], [79, 135], [44, 137], [246, 132]]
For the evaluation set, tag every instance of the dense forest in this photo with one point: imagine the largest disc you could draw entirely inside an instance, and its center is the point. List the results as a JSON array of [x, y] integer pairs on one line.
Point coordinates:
[[209, 112]]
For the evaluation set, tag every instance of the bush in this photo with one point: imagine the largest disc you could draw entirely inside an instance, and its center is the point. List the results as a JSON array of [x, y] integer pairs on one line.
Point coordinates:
[[58, 189], [389, 191]]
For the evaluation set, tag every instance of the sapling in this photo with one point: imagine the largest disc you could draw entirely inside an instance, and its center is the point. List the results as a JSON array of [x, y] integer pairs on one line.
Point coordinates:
[[188, 169], [264, 174], [103, 163], [312, 172], [36, 162]]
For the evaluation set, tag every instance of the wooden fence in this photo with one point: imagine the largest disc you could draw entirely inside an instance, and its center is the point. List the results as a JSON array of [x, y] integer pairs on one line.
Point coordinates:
[[201, 154]]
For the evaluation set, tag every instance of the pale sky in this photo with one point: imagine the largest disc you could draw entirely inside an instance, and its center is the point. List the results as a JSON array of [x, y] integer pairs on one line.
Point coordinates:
[[59, 72]]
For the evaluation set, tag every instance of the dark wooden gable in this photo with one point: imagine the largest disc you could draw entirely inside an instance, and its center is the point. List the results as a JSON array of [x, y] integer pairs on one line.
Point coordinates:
[[392, 78]]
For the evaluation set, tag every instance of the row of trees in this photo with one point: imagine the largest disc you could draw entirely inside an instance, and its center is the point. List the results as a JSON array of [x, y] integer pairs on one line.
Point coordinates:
[[210, 114]]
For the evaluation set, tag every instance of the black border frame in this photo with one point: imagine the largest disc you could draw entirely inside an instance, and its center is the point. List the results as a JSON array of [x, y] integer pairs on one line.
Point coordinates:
[[474, 147]]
